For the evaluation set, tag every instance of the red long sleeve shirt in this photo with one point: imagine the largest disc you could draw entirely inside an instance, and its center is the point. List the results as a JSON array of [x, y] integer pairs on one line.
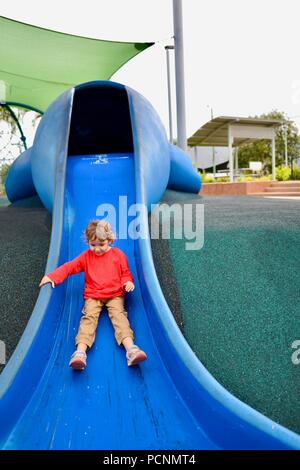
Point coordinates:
[[104, 275]]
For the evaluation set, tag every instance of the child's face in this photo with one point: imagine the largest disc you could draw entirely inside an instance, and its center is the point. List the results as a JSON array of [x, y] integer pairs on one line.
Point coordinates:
[[99, 247]]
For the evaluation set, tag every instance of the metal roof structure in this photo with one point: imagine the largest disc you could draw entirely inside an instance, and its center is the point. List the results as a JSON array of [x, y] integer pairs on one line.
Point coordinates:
[[215, 132], [234, 131]]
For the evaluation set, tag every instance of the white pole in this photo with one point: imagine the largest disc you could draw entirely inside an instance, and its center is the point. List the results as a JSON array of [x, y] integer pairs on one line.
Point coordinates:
[[213, 148], [169, 93], [195, 157], [230, 155], [179, 71], [273, 159], [236, 159], [286, 144]]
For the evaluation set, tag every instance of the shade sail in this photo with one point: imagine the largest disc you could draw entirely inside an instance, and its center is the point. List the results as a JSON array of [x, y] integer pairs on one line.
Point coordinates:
[[37, 64]]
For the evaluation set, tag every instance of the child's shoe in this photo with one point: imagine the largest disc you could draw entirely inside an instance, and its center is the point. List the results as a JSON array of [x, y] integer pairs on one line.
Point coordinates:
[[78, 360], [135, 355]]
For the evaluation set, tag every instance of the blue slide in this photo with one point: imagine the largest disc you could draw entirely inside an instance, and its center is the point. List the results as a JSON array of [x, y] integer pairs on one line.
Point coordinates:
[[100, 148]]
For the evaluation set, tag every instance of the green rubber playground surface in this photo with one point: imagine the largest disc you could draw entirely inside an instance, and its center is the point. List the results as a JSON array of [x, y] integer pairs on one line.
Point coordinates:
[[240, 299]]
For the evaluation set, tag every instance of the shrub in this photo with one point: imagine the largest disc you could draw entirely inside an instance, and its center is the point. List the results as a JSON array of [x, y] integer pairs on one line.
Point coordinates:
[[223, 179], [3, 172], [246, 179], [264, 178], [296, 173], [207, 177], [283, 173]]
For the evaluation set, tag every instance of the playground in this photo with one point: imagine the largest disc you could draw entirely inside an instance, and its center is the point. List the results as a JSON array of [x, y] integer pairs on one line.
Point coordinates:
[[216, 311]]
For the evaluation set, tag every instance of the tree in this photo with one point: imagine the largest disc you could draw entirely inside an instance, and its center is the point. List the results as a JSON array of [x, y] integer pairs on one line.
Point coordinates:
[[11, 144], [9, 133], [3, 172], [261, 149]]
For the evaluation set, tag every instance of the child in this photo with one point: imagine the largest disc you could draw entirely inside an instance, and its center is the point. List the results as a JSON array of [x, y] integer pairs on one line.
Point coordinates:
[[106, 276]]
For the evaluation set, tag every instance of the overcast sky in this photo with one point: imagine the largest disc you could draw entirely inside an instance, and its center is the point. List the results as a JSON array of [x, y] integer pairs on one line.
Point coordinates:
[[241, 57]]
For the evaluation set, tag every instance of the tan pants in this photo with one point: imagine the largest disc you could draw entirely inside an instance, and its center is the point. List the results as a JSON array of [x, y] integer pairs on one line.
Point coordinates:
[[89, 320]]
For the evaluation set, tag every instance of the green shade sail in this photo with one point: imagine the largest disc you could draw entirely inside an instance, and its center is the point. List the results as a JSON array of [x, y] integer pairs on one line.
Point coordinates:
[[37, 64]]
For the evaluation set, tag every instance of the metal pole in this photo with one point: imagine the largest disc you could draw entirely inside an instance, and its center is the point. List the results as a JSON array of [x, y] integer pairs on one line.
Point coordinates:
[[236, 160], [286, 145], [230, 155], [273, 159], [179, 71], [25, 106], [169, 92], [213, 149]]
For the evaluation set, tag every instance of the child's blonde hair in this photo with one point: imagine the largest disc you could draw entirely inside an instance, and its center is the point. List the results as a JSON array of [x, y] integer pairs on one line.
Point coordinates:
[[99, 230]]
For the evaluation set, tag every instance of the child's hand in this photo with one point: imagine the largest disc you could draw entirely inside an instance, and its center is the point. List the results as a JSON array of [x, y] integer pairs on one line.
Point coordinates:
[[129, 286], [45, 280]]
